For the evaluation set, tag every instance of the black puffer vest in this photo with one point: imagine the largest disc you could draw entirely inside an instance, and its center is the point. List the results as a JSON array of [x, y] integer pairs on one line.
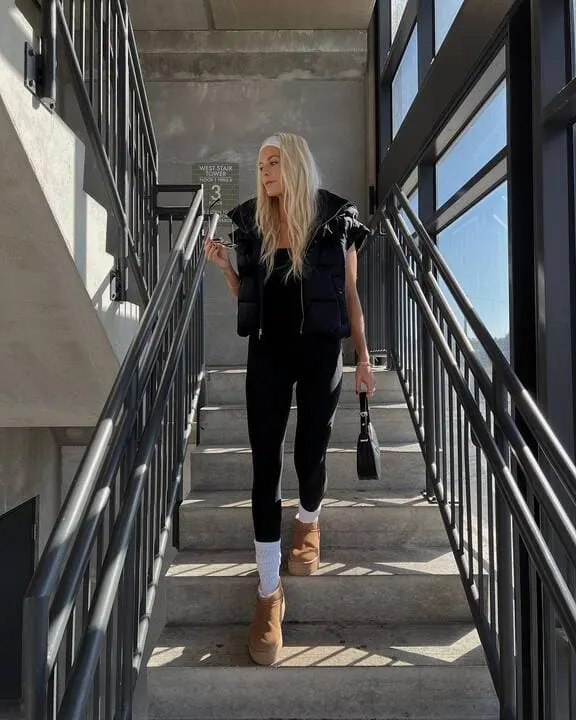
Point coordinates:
[[324, 310]]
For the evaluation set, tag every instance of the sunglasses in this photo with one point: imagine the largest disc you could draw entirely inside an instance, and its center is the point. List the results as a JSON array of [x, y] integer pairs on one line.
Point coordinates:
[[224, 242]]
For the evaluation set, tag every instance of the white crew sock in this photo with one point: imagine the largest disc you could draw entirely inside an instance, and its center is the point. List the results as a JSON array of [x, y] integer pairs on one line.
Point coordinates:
[[268, 556], [305, 516]]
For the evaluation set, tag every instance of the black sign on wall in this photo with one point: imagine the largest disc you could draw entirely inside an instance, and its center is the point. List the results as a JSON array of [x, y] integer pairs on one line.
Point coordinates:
[[221, 187]]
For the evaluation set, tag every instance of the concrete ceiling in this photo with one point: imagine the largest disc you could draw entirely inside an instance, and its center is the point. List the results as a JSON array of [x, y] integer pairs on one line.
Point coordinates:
[[251, 14]]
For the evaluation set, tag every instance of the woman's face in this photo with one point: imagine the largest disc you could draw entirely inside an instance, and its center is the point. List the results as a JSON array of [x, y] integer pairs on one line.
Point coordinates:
[[269, 165]]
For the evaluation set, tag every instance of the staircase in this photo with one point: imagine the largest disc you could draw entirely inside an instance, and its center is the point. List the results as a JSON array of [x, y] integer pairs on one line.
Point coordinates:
[[382, 631]]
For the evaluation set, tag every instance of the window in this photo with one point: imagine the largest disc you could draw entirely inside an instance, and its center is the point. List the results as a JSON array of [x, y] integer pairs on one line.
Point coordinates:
[[397, 8], [476, 249], [405, 83], [477, 144], [444, 13]]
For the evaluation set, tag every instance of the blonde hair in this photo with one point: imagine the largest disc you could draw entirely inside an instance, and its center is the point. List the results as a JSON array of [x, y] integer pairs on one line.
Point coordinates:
[[300, 182]]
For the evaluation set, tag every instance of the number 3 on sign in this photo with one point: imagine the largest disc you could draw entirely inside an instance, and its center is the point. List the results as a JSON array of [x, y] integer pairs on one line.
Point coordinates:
[[216, 193]]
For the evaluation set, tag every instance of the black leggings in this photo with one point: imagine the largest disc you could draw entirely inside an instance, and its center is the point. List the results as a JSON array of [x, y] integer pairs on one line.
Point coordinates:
[[315, 365]]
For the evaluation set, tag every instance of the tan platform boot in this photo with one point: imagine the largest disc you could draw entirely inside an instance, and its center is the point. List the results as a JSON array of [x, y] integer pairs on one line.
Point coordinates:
[[265, 641], [304, 556]]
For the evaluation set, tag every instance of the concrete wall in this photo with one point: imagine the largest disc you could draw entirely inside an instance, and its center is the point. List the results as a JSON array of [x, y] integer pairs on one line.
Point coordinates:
[[215, 96], [63, 337]]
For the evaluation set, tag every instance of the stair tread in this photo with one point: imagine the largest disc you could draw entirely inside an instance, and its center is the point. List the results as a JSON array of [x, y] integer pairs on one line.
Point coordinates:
[[342, 406], [350, 499], [391, 561], [441, 692], [350, 448], [324, 645], [241, 370], [228, 466], [225, 422]]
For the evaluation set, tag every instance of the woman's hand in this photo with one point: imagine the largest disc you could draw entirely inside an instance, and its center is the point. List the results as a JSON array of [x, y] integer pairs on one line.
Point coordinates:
[[365, 378], [217, 253]]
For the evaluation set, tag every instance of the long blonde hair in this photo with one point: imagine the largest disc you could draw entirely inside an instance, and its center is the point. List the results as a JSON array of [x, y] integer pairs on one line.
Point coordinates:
[[301, 182]]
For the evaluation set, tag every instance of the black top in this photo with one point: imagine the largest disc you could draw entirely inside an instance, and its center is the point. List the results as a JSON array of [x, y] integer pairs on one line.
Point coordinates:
[[282, 302]]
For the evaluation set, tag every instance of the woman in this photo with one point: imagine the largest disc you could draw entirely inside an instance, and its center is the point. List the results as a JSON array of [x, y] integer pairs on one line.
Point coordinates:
[[296, 288]]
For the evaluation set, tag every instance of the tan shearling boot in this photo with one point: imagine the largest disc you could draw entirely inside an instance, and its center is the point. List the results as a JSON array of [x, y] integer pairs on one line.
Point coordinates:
[[265, 641], [304, 556]]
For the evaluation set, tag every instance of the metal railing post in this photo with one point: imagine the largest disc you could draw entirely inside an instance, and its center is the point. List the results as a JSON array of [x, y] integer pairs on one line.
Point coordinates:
[[428, 383], [531, 605], [505, 575], [36, 614], [390, 295], [121, 269], [46, 80]]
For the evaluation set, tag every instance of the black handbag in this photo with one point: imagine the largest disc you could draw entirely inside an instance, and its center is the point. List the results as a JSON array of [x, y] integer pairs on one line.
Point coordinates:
[[368, 449]]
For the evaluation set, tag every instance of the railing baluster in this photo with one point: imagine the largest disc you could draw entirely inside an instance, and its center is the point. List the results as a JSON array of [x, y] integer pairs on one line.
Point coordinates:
[[467, 487], [109, 82], [110, 684], [461, 503], [92, 52], [443, 475], [100, 32], [451, 442], [428, 382], [116, 139], [479, 507]]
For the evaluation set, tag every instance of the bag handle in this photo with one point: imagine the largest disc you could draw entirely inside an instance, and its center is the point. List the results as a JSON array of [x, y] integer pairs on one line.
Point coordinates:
[[364, 411]]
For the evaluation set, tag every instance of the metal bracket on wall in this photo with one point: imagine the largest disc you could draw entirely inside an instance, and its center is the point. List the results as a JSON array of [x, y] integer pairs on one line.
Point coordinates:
[[116, 286], [33, 72]]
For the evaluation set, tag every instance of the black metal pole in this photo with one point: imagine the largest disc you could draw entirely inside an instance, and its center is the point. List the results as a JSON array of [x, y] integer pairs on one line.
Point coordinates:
[[426, 201], [124, 157], [47, 77], [428, 386], [504, 561]]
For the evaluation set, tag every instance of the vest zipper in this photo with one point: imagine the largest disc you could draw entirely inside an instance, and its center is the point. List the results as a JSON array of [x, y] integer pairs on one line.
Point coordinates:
[[302, 304], [261, 303]]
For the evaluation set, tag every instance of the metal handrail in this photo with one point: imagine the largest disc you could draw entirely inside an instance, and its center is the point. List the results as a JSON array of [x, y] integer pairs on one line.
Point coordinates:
[[546, 495], [63, 601], [50, 599], [524, 403], [467, 431], [73, 702], [530, 532]]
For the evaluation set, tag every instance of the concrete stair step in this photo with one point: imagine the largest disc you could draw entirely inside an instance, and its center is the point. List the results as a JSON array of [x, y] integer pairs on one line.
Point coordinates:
[[324, 645], [223, 520], [395, 585], [230, 468], [227, 425], [448, 692], [225, 386]]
